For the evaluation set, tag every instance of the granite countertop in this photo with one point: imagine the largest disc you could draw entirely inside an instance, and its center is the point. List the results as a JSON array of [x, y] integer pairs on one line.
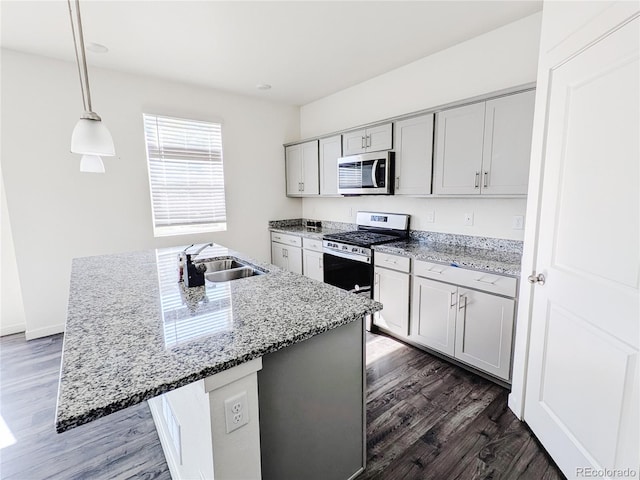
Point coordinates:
[[486, 260], [134, 332], [302, 231]]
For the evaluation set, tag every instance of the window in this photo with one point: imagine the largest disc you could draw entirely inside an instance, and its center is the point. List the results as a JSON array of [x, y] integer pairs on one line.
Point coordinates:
[[185, 175]]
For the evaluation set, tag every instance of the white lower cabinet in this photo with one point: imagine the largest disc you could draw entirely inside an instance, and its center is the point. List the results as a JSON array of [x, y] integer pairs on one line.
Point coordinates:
[[433, 314], [484, 331], [475, 327], [312, 260], [286, 252], [391, 288]]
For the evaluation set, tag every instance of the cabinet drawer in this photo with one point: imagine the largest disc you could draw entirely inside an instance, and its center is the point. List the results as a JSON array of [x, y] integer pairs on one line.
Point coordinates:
[[312, 244], [487, 282], [286, 239], [394, 262]]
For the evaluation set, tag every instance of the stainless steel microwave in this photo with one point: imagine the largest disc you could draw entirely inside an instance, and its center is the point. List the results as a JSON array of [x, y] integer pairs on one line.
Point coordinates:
[[366, 174]]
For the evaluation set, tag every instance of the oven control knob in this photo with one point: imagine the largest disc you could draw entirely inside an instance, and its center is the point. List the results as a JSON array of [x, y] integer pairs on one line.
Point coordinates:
[[354, 249], [344, 247]]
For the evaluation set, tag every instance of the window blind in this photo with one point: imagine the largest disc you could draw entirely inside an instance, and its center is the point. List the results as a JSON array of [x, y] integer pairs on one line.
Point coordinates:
[[185, 175]]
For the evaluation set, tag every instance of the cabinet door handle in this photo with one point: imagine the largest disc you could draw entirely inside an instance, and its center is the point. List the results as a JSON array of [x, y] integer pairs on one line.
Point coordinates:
[[433, 269], [453, 299], [302, 186], [368, 140], [477, 182], [397, 183], [363, 142], [486, 180], [376, 279], [482, 280], [285, 253], [462, 305]]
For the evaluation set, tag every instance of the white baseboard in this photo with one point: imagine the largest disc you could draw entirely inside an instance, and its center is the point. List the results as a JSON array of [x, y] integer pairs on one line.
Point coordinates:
[[11, 329], [44, 332], [155, 405]]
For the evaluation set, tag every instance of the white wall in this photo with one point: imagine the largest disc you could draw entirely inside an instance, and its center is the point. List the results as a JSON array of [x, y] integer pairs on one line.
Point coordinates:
[[11, 306], [503, 58], [58, 213]]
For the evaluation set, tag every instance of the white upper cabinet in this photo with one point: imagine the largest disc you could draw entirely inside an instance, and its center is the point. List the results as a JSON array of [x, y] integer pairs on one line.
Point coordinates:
[[459, 146], [302, 169], [371, 139], [293, 166], [484, 148], [330, 151], [413, 155], [507, 146]]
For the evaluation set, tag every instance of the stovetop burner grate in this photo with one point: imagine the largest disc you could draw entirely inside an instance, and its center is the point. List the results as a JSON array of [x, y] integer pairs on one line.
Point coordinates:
[[361, 238]]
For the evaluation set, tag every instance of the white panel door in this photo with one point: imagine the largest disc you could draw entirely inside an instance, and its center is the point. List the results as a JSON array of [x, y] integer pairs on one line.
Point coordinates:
[[379, 138], [310, 178], [459, 144], [582, 382], [330, 151], [312, 265], [484, 331], [353, 142], [433, 314], [391, 288], [414, 155], [507, 144], [293, 166]]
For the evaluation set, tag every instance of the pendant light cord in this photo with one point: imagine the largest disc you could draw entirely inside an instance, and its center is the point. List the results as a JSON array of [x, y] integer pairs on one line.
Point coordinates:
[[80, 57]]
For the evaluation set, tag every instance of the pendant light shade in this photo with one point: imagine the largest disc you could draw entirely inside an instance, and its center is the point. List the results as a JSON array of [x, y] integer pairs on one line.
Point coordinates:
[[91, 137], [91, 164]]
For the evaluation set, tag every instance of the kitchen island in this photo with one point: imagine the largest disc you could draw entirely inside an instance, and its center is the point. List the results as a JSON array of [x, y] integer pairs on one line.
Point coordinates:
[[292, 346]]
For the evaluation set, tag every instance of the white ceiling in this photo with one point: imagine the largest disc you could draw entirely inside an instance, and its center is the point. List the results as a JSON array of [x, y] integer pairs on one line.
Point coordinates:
[[305, 50]]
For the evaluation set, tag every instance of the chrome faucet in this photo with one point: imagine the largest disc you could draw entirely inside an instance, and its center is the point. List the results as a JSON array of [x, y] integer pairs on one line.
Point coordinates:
[[194, 274], [200, 249]]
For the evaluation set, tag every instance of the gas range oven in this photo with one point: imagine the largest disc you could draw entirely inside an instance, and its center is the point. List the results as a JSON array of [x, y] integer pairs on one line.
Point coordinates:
[[348, 256]]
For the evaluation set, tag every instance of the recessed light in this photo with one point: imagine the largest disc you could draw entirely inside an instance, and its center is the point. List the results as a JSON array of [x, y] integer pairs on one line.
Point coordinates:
[[263, 86], [96, 48]]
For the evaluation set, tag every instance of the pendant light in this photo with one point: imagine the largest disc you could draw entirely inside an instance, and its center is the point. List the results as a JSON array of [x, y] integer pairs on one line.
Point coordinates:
[[90, 137]]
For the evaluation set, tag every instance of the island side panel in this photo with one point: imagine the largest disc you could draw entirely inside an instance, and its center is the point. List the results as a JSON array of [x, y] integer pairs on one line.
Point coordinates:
[[312, 407]]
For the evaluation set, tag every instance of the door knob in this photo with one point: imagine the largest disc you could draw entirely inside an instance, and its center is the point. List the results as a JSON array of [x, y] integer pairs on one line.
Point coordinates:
[[536, 279]]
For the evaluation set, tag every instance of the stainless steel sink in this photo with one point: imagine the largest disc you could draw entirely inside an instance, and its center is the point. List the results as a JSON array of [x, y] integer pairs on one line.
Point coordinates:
[[218, 265], [228, 269]]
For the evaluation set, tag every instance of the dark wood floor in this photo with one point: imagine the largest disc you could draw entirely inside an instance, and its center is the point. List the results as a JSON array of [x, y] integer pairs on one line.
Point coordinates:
[[429, 419], [426, 419]]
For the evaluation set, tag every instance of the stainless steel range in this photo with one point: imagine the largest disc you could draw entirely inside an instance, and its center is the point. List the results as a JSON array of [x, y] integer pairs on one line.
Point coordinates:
[[348, 256]]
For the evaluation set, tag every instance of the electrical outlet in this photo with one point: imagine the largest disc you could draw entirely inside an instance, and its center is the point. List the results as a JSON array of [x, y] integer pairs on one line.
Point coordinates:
[[468, 219], [236, 411], [518, 222], [431, 216]]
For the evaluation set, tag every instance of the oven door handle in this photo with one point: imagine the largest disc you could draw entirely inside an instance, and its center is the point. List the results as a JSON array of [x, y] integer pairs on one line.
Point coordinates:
[[374, 173], [355, 258], [360, 290]]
